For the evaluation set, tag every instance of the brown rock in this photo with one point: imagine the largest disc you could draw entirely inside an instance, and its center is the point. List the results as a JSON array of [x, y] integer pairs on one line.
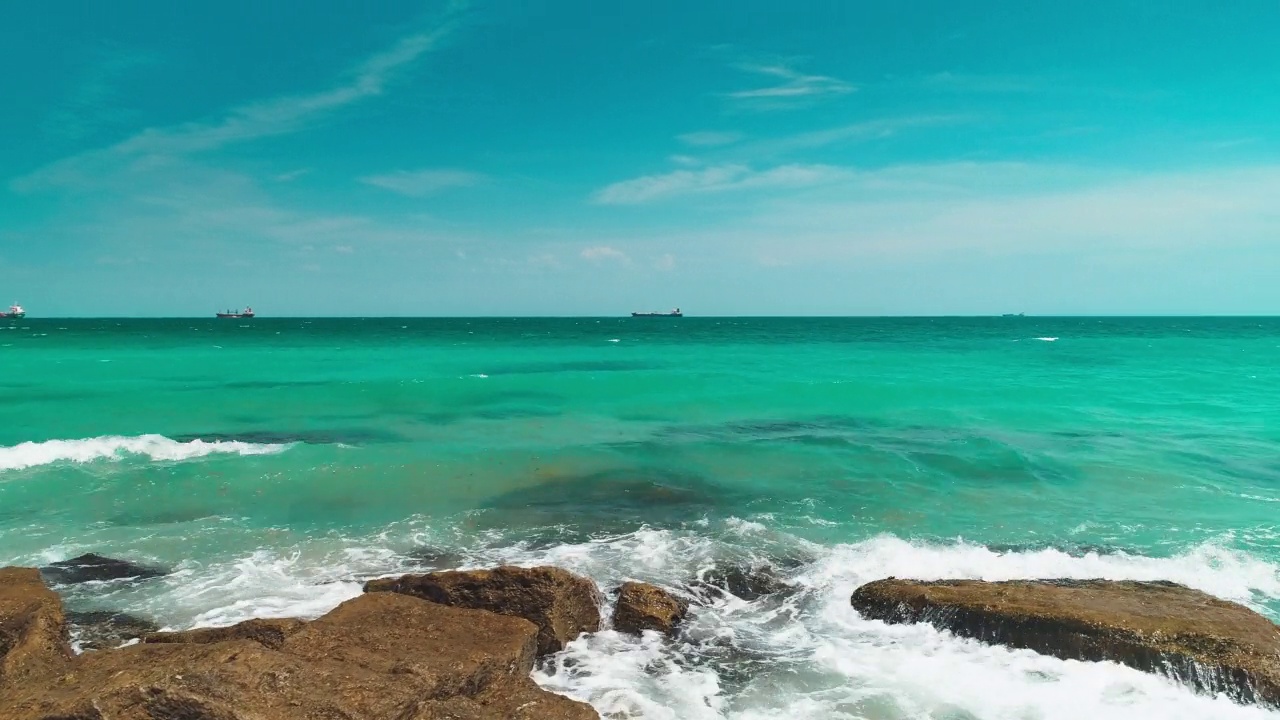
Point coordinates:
[[561, 604], [380, 656], [1210, 644], [33, 629], [269, 633], [528, 700], [642, 606]]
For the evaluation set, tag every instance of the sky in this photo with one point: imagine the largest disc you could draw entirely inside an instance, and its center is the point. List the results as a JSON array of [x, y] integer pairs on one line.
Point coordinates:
[[578, 157]]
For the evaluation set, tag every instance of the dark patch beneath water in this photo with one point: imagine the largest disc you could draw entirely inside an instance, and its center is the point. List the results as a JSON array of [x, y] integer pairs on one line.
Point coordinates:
[[1076, 550], [275, 384], [451, 417], [168, 516], [345, 436], [435, 558], [570, 366], [610, 501]]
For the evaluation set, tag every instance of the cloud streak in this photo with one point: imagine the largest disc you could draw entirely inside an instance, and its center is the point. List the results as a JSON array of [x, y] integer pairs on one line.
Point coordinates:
[[277, 116], [605, 253], [709, 138], [790, 86], [421, 183], [719, 178]]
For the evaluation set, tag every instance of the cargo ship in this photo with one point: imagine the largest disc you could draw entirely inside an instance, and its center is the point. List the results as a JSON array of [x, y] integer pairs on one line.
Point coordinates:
[[673, 313], [15, 313], [247, 313]]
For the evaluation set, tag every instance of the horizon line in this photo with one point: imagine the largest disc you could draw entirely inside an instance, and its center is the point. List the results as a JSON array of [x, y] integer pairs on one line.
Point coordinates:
[[685, 317]]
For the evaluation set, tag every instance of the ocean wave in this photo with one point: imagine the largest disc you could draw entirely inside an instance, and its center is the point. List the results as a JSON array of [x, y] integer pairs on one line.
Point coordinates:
[[811, 655], [115, 447]]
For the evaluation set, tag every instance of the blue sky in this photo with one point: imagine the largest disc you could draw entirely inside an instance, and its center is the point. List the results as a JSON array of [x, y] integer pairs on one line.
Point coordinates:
[[542, 157]]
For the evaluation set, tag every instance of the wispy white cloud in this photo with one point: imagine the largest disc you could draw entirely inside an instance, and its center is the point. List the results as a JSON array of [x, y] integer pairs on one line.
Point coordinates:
[[605, 253], [420, 183], [720, 178], [709, 138], [277, 116], [665, 262], [291, 175], [790, 86], [868, 130]]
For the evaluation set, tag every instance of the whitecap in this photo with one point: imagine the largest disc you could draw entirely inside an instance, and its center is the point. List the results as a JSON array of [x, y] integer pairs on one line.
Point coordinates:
[[1046, 339], [115, 447]]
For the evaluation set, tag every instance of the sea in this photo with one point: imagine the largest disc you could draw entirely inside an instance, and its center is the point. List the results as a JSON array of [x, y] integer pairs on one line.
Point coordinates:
[[764, 468]]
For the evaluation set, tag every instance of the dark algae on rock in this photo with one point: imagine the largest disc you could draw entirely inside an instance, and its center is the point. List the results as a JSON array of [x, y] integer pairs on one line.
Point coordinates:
[[92, 567], [1209, 644], [105, 629]]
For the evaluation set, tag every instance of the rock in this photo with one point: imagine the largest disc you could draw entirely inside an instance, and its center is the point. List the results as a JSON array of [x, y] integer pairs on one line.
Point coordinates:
[[104, 629], [1210, 644], [96, 568], [746, 581], [434, 558], [33, 630], [561, 604], [380, 656], [525, 696], [270, 633], [642, 606]]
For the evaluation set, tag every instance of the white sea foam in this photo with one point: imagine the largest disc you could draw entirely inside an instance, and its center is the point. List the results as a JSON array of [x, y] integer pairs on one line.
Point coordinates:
[[1046, 339], [802, 655], [115, 447], [813, 656]]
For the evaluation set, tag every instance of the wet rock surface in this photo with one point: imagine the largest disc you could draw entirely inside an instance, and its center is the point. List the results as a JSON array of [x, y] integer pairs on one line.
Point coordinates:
[[642, 606], [105, 629], [748, 581], [561, 604], [380, 656], [1209, 644], [92, 567], [269, 633]]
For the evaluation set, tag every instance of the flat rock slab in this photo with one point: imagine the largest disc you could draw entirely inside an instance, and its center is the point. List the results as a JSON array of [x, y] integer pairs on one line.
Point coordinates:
[[561, 604], [1207, 643]]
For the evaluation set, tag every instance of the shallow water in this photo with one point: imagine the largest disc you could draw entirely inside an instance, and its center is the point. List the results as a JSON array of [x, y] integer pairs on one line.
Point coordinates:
[[275, 464]]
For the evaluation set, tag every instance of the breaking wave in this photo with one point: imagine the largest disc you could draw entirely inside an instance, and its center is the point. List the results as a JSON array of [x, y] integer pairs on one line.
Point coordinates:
[[115, 447], [801, 652]]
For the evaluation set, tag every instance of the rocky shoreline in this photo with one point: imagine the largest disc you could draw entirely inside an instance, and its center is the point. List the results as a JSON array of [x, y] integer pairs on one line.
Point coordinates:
[[452, 644], [463, 644]]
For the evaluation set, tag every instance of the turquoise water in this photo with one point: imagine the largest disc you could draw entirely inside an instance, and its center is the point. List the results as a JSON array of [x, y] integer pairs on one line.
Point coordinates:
[[273, 464]]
